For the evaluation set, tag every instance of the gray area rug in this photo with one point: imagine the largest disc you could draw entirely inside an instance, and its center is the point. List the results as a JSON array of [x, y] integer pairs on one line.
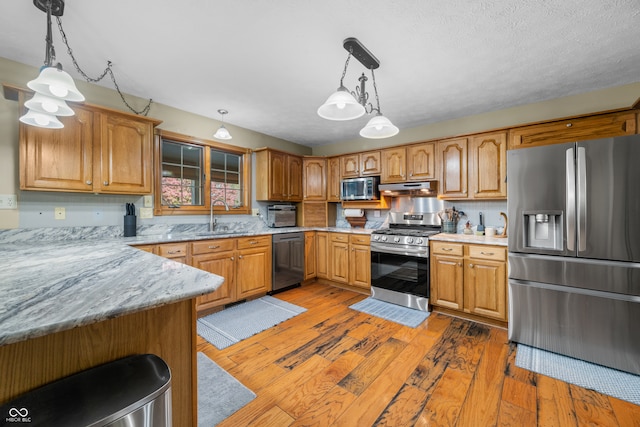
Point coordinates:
[[219, 394], [395, 313], [241, 321], [622, 385]]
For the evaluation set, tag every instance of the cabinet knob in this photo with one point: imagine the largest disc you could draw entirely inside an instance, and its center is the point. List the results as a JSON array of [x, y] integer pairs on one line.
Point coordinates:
[[239, 256], [232, 258], [105, 183], [470, 265], [459, 264], [89, 182], [569, 125]]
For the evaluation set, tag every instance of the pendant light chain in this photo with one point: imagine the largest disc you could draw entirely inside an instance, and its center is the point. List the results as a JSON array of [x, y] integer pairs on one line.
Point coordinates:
[[375, 90], [107, 70], [346, 65]]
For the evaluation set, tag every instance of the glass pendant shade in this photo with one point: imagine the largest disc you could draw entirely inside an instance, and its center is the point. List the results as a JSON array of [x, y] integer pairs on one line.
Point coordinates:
[[34, 118], [48, 105], [379, 127], [341, 105], [56, 83], [222, 133]]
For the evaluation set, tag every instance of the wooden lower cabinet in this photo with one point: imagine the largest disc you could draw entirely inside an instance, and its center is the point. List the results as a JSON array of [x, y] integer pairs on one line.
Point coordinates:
[[470, 278], [310, 250], [350, 259], [322, 254], [217, 257], [253, 267]]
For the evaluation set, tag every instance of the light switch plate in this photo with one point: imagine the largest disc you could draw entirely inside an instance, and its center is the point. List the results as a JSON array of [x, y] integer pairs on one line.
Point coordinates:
[[255, 212], [8, 201], [148, 201]]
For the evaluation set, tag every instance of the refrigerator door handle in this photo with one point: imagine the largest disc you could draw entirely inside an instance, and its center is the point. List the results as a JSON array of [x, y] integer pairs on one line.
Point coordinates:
[[581, 187], [571, 199]]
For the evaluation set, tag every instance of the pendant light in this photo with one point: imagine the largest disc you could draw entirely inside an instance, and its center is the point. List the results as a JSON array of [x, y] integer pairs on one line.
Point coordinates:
[[222, 132], [53, 86], [345, 105]]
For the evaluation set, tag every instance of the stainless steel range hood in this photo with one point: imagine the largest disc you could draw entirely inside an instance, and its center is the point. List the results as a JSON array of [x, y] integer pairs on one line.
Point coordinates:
[[415, 189]]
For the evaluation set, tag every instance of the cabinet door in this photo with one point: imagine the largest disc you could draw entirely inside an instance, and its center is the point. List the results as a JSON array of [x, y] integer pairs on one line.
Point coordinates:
[[253, 272], [488, 166], [278, 169], [570, 130], [339, 269], [394, 165], [421, 162], [314, 179], [452, 154], [485, 288], [309, 255], [447, 274], [58, 159], [322, 254], [123, 155], [334, 179], [350, 166], [370, 163], [222, 264], [360, 263], [294, 179]]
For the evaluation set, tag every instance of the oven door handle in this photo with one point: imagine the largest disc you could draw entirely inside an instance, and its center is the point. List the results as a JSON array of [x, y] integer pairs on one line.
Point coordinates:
[[424, 254]]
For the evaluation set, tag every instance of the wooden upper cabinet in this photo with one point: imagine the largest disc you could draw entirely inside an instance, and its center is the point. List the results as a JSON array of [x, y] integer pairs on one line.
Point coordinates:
[[410, 163], [576, 129], [278, 176], [452, 155], [333, 171], [394, 165], [98, 151], [360, 164], [488, 166], [314, 178], [58, 159], [125, 155], [421, 162]]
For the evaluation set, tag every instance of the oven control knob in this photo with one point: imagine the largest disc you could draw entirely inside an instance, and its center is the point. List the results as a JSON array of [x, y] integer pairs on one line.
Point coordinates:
[[396, 239], [409, 239], [383, 238], [419, 241], [376, 238]]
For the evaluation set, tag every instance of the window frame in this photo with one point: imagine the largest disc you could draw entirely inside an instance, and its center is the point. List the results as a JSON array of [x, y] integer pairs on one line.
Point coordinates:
[[163, 210]]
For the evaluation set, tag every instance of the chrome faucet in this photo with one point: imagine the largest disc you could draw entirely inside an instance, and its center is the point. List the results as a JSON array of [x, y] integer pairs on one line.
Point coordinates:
[[212, 221]]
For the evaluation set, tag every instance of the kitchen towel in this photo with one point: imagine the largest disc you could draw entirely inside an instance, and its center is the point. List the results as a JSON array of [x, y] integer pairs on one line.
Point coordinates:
[[353, 212]]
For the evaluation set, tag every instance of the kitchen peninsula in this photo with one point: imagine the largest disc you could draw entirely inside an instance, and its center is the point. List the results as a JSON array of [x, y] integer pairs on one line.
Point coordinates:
[[70, 305]]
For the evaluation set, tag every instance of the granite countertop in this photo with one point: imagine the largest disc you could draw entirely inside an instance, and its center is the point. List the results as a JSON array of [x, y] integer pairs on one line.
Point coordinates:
[[48, 287], [470, 238]]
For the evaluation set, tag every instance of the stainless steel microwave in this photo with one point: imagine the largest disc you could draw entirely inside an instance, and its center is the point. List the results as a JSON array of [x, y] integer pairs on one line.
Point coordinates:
[[365, 188]]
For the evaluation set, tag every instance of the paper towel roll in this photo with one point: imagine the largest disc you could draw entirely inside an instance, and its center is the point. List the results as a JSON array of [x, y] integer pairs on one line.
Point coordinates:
[[353, 212]]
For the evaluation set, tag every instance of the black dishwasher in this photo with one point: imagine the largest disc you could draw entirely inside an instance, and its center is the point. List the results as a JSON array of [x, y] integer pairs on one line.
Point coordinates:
[[288, 260]]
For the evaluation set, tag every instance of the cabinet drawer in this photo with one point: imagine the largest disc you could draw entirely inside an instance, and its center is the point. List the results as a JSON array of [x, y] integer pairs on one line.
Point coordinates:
[[445, 248], [339, 237], [357, 239], [252, 242], [172, 250], [487, 252], [212, 246]]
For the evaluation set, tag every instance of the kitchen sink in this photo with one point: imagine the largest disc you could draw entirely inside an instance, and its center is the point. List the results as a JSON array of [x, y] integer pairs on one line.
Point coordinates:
[[219, 233]]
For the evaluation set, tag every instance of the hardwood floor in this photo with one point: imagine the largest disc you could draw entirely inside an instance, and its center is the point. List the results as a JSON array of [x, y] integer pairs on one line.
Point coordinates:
[[333, 366]]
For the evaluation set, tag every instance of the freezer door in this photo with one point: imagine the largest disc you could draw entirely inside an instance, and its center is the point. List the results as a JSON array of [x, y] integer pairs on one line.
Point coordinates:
[[608, 206], [541, 183]]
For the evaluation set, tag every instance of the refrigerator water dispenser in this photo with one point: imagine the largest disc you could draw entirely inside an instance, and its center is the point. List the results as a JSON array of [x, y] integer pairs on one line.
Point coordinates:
[[543, 230]]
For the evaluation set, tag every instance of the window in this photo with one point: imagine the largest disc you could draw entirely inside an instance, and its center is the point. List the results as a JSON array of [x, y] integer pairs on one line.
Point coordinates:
[[189, 166]]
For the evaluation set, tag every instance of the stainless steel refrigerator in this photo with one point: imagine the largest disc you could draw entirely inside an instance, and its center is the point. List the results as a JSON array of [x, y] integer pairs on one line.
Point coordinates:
[[574, 249]]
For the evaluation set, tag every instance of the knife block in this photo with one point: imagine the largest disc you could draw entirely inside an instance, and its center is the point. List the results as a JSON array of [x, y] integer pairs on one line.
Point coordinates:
[[129, 226]]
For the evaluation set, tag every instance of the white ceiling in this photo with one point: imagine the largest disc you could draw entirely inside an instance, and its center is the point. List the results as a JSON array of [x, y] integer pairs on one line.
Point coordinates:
[[273, 63]]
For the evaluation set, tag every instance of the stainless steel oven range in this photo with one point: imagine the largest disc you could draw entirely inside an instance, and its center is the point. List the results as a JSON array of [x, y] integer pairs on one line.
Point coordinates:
[[400, 259]]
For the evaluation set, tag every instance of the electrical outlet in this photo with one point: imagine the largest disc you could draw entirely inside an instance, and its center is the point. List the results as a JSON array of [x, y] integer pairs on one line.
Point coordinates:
[[147, 201], [146, 213], [60, 213], [8, 201], [376, 214], [255, 212]]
